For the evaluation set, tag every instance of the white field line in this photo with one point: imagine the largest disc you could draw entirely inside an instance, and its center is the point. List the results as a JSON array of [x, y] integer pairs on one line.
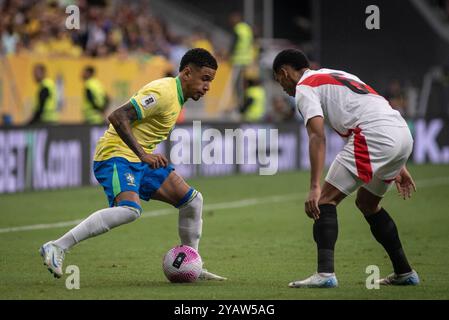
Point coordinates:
[[215, 206]]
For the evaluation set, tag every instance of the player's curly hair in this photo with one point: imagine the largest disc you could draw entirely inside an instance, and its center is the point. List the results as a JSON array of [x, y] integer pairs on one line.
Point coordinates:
[[290, 57], [199, 57]]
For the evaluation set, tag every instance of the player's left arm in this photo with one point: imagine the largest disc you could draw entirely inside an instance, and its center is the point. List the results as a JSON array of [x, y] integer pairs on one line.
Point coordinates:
[[317, 153], [405, 183]]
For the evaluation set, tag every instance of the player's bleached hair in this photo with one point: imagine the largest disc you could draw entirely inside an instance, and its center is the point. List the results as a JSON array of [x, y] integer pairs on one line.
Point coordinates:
[[290, 57], [200, 58]]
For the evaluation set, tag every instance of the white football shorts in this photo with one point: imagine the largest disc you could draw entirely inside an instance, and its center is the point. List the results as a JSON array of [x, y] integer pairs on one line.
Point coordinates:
[[371, 159]]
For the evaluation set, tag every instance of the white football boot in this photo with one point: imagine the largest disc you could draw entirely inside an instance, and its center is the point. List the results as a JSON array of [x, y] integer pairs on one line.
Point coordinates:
[[406, 279], [53, 258], [316, 280], [206, 275]]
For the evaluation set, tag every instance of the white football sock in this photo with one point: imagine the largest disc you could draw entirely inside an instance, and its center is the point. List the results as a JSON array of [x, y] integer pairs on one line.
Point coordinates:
[[97, 223], [190, 222]]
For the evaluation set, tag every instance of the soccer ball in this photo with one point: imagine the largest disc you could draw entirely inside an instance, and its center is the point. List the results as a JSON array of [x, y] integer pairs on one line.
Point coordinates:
[[182, 264]]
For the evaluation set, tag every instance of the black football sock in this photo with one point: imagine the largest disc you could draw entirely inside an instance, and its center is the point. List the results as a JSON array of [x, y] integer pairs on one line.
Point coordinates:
[[325, 232], [385, 232]]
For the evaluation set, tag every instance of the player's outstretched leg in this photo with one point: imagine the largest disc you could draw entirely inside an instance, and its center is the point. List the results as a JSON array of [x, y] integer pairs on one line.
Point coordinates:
[[176, 191], [97, 223], [386, 233], [325, 233]]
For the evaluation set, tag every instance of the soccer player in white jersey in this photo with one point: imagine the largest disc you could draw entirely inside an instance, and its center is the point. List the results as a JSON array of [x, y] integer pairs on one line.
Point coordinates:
[[377, 148]]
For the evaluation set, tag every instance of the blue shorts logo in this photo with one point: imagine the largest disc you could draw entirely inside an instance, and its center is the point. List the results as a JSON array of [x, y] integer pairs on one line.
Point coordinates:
[[130, 179]]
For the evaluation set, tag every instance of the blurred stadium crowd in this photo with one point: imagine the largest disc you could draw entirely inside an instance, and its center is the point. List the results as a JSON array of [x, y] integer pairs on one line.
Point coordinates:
[[131, 29], [127, 29], [38, 27]]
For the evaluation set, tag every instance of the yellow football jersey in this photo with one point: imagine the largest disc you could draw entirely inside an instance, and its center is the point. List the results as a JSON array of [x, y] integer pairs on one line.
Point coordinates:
[[158, 105]]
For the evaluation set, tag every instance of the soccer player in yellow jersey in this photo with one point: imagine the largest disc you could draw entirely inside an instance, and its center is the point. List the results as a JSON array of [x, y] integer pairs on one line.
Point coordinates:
[[128, 170]]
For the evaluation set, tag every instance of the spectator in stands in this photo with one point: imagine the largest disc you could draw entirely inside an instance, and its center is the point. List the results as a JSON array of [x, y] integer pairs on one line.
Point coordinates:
[[178, 47], [241, 51], [253, 108], [96, 37], [95, 101], [107, 27], [282, 110], [200, 39], [10, 40], [46, 99], [61, 44]]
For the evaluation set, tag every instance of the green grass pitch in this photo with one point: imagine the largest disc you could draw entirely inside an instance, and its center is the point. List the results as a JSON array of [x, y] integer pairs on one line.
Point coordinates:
[[255, 233]]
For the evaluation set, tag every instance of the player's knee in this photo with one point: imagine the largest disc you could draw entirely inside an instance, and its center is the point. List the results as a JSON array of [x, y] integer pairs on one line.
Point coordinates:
[[191, 198], [324, 201], [360, 205], [134, 208], [365, 207], [330, 195], [193, 207], [199, 199], [196, 203]]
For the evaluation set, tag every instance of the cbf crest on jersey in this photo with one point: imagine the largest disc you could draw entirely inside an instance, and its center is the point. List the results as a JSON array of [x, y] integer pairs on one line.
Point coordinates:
[[130, 179], [148, 101]]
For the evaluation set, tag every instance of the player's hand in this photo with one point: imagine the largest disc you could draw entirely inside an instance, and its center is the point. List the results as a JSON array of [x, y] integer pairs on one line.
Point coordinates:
[[155, 160], [405, 184], [311, 204]]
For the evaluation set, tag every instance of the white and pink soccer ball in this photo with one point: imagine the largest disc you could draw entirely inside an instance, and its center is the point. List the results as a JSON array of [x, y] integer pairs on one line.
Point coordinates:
[[182, 264]]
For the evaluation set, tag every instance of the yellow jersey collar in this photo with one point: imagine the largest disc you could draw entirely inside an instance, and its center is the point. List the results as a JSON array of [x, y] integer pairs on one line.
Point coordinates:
[[179, 89]]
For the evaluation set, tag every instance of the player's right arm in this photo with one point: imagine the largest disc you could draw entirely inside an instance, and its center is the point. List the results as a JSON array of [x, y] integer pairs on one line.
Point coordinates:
[[121, 119], [317, 153], [309, 105]]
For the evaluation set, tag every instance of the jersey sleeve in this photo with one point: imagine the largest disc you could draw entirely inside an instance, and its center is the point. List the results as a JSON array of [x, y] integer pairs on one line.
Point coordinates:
[[308, 102], [147, 101]]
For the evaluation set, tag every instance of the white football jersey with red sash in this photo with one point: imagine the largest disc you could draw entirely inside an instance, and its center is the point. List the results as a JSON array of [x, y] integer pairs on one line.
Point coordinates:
[[353, 109]]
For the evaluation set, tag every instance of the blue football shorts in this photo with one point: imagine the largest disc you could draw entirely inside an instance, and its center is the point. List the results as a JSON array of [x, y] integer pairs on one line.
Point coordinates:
[[117, 175]]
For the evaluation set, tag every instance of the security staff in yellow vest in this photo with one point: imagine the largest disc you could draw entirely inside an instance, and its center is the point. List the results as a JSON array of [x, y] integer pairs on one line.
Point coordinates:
[[45, 105], [241, 51], [253, 108], [242, 45], [95, 99]]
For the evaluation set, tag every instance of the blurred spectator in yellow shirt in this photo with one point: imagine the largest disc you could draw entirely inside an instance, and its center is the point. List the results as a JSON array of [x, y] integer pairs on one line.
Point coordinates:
[[61, 45], [200, 39]]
